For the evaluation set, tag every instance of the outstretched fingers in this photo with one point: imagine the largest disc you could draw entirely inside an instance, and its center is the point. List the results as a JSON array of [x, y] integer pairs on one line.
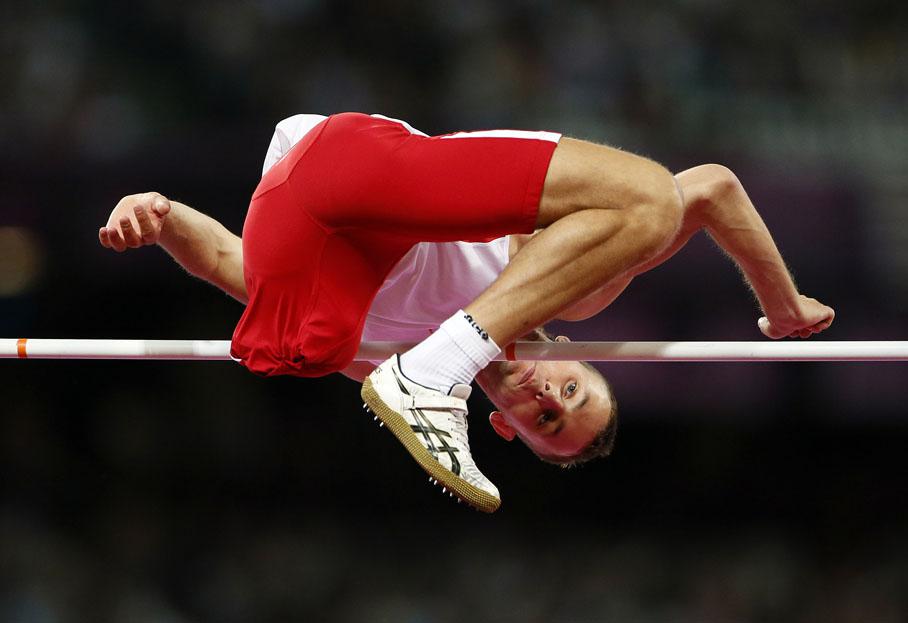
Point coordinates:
[[135, 221], [146, 228], [130, 235], [111, 238]]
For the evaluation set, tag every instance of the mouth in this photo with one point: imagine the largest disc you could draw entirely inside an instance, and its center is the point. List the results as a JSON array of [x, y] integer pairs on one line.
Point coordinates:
[[528, 375]]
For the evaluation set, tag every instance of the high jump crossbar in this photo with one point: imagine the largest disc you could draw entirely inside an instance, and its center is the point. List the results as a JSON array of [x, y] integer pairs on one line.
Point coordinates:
[[217, 350]]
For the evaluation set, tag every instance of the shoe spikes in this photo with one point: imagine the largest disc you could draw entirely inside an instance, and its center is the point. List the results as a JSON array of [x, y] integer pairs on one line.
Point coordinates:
[[445, 490], [434, 481], [374, 417]]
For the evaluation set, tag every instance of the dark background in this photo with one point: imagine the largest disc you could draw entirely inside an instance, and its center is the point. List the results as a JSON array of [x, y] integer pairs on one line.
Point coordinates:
[[183, 492]]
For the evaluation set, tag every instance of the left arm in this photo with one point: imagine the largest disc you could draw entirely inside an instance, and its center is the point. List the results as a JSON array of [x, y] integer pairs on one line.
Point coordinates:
[[197, 242]]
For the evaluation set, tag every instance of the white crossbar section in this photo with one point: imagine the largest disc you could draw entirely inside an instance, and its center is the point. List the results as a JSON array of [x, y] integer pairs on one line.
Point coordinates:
[[208, 350]]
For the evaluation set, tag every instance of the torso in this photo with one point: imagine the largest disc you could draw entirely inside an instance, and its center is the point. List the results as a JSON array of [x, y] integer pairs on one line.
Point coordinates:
[[429, 284]]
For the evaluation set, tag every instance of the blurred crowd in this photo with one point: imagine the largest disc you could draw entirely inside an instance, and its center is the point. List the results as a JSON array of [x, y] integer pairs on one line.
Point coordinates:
[[151, 492], [809, 81], [349, 572]]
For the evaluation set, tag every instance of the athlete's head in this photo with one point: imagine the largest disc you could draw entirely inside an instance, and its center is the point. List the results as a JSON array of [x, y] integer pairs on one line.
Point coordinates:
[[564, 411]]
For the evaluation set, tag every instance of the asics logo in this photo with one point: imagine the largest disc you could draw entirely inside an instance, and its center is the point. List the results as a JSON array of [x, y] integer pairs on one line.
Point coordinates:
[[427, 430]]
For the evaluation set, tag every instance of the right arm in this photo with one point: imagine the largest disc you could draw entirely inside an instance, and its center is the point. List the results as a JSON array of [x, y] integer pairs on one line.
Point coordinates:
[[715, 201], [197, 242]]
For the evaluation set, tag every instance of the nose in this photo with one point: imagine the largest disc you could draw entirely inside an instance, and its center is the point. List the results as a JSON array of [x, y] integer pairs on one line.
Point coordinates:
[[546, 393]]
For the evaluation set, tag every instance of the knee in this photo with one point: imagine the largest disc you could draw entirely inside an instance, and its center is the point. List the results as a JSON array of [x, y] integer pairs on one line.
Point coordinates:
[[584, 176], [658, 217]]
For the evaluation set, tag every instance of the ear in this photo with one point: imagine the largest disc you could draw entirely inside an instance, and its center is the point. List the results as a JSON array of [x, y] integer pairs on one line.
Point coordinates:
[[562, 338], [501, 426]]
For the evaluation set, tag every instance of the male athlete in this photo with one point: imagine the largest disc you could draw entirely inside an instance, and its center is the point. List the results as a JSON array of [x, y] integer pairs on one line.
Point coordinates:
[[363, 228]]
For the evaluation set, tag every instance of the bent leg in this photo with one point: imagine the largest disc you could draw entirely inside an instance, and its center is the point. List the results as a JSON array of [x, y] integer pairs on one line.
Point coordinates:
[[604, 212]]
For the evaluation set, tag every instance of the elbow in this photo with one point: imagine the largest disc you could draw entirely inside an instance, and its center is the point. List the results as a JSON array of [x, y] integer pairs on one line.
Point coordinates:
[[721, 182], [227, 275]]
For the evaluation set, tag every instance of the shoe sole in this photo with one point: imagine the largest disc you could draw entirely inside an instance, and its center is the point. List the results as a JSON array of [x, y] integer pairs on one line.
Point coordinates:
[[470, 494]]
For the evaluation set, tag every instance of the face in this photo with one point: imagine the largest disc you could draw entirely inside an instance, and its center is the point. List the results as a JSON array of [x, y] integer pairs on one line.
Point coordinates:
[[556, 407]]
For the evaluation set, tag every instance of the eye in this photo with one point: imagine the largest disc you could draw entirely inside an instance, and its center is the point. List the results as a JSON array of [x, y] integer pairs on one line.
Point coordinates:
[[547, 416], [571, 388]]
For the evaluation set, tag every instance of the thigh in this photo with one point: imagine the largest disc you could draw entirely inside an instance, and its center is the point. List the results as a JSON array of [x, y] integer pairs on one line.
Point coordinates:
[[584, 175], [465, 186]]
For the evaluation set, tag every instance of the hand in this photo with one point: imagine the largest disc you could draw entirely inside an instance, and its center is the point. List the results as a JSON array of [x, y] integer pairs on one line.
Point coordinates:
[[136, 221], [809, 317]]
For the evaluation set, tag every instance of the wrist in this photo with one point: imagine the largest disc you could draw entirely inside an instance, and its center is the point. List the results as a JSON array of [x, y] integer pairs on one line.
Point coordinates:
[[781, 309], [778, 296], [172, 224]]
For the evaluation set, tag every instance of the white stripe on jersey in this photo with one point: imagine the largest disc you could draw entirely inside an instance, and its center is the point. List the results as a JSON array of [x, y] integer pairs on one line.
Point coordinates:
[[554, 137]]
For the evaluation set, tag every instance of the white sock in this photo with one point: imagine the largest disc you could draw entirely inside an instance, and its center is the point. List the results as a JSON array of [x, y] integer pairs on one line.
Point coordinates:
[[453, 354]]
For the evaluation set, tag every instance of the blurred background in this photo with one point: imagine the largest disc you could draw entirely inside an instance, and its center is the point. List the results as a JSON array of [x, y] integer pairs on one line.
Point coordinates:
[[196, 492]]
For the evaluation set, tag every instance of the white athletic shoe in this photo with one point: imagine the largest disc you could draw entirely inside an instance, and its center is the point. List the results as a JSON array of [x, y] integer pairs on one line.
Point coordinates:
[[432, 426]]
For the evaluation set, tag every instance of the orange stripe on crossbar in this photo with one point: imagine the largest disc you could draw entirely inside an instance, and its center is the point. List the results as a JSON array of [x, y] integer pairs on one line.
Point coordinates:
[[509, 352], [20, 348]]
